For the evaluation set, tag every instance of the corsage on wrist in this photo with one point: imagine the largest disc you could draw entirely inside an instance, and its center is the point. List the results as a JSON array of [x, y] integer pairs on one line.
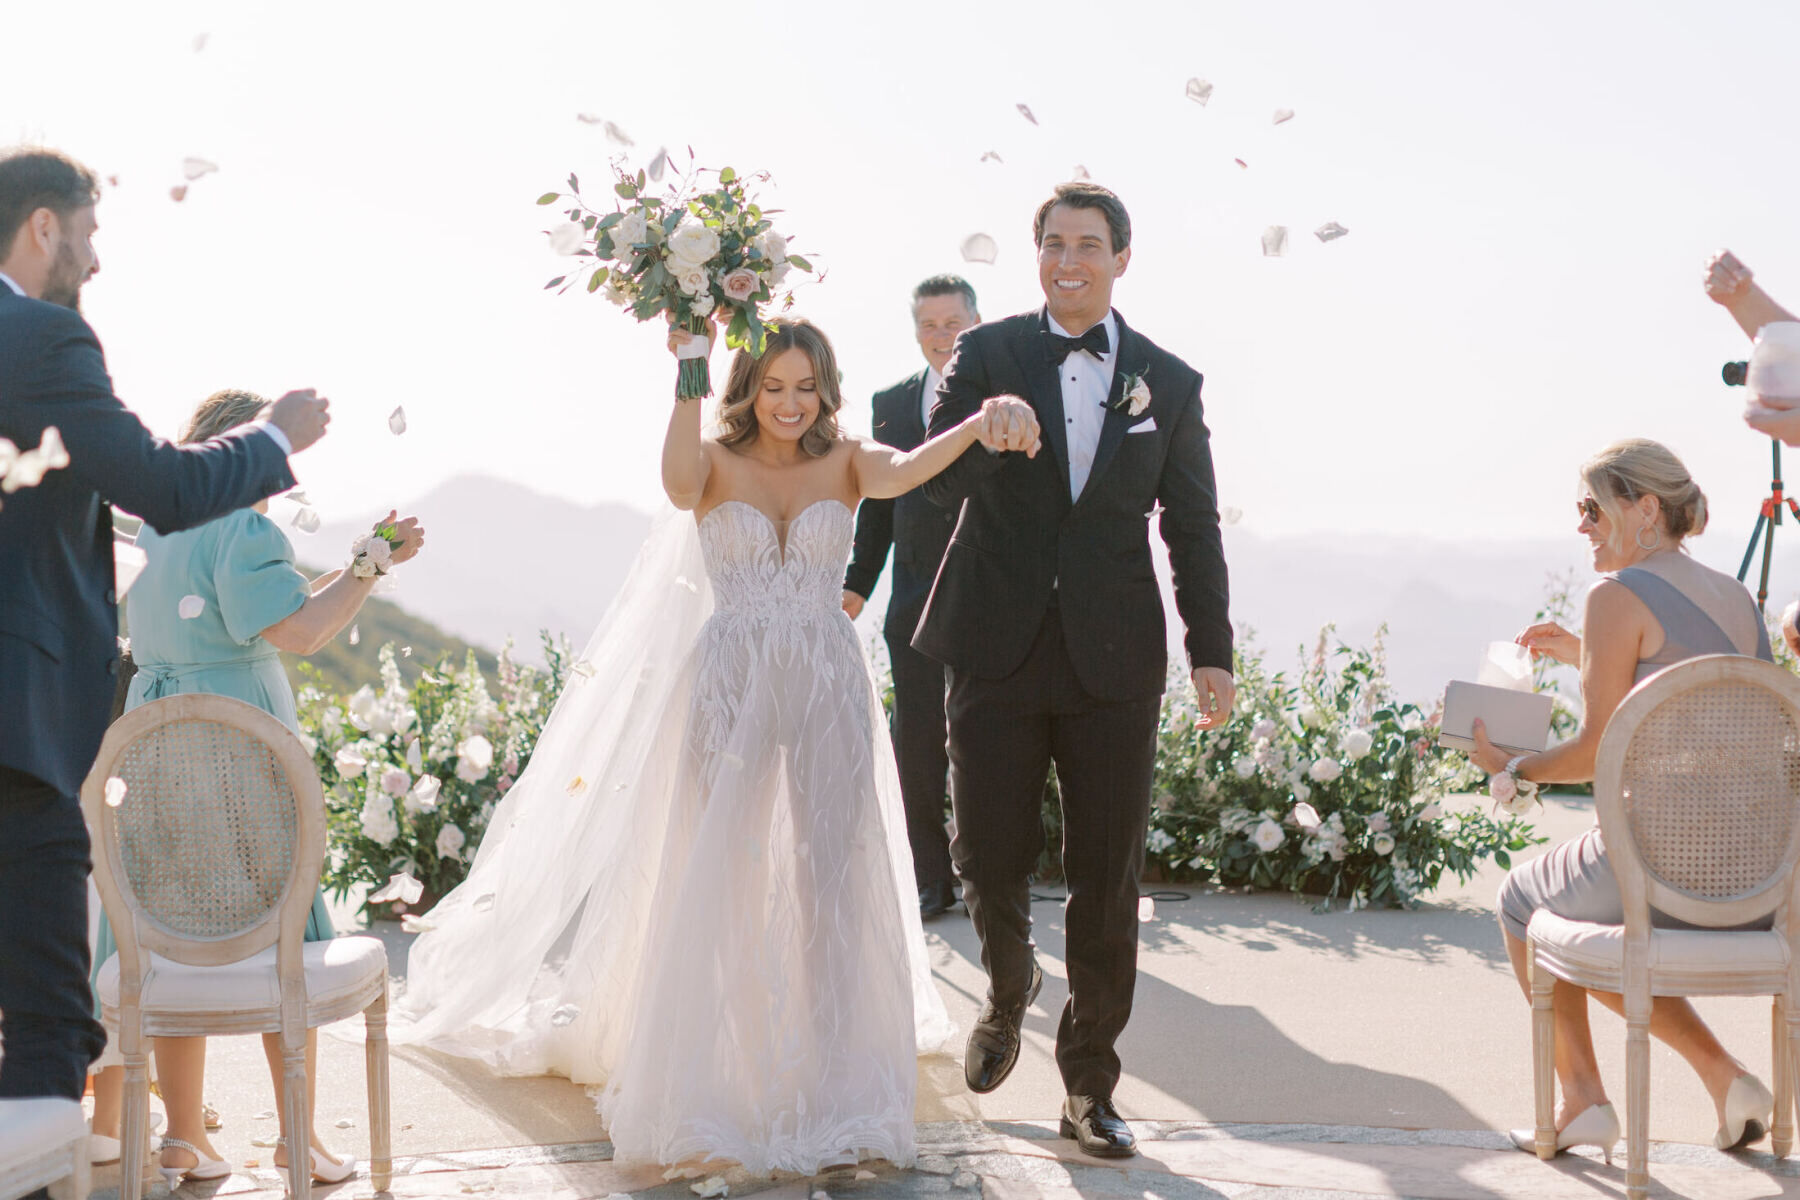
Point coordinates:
[[372, 554], [1513, 795]]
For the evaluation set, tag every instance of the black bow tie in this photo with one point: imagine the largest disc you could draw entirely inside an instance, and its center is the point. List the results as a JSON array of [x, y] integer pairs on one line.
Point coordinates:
[[1094, 341]]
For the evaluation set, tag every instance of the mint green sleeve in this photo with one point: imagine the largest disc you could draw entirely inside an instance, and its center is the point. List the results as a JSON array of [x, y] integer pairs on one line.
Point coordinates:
[[254, 576]]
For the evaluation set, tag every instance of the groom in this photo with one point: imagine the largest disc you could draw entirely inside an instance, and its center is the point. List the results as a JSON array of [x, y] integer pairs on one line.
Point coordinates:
[[1047, 612]]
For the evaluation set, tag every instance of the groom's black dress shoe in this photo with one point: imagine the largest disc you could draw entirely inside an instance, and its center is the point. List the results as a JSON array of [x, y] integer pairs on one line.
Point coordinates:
[[936, 899], [994, 1042], [1097, 1127]]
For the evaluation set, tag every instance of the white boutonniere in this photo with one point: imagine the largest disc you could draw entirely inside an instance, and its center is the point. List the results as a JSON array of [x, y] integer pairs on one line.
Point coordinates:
[[1134, 397]]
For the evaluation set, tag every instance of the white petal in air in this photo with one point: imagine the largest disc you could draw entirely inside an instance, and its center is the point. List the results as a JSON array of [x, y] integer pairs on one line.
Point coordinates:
[[178, 193], [588, 118], [564, 1015], [115, 792], [200, 42], [1274, 241], [1330, 231], [979, 247], [355, 634], [191, 606], [297, 496], [658, 165], [483, 902], [614, 134], [1025, 111], [584, 668], [1230, 516], [412, 924], [991, 156], [346, 1123], [1282, 116], [194, 168], [1146, 909], [1199, 91], [402, 887], [397, 422], [1080, 174], [567, 238], [306, 520]]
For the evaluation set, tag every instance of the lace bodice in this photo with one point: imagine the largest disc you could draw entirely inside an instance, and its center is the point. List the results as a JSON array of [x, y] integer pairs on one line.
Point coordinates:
[[753, 578]]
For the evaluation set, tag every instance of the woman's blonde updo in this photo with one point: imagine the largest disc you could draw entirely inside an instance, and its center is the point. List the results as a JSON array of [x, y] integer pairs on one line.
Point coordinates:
[[1628, 470], [223, 410], [737, 407]]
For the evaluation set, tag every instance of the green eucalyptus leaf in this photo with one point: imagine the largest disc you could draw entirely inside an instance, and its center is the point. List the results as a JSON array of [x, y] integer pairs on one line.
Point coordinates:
[[595, 280], [626, 188], [799, 263], [574, 183], [554, 282], [611, 219], [727, 175], [549, 198]]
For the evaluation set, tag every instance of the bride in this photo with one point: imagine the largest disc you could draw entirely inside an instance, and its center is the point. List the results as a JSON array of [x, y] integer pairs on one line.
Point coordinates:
[[698, 897]]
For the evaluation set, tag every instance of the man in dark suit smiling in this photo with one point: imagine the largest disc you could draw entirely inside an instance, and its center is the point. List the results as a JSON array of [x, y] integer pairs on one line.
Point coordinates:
[[58, 608], [918, 530]]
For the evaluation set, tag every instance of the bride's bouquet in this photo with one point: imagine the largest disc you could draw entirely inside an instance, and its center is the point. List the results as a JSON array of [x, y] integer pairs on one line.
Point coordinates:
[[692, 253]]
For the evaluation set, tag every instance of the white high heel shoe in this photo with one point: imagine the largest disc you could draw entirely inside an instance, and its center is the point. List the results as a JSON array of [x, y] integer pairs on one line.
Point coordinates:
[[323, 1169], [1596, 1125], [203, 1168], [1749, 1111]]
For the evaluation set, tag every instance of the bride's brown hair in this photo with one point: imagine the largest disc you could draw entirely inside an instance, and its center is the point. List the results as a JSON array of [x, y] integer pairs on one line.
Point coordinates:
[[737, 407]]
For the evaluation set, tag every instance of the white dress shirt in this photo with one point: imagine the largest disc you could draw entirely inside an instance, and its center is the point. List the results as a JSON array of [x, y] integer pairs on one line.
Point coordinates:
[[928, 397], [1086, 383], [275, 435]]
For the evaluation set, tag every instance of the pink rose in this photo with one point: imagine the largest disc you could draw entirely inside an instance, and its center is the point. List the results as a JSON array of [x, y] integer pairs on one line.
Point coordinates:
[[740, 284], [503, 783], [1503, 788]]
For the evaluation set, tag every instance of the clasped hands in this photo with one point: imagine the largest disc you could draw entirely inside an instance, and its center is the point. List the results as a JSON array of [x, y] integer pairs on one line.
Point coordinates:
[[1008, 423]]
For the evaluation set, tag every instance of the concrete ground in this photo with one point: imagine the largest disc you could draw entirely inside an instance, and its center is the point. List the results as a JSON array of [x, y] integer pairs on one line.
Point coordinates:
[[1273, 1052]]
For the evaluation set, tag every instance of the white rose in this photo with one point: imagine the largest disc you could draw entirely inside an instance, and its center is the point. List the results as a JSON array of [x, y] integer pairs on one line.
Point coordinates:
[[1263, 730], [362, 706], [378, 823], [1337, 849], [692, 245], [478, 751], [349, 762], [772, 246], [1325, 770], [1357, 743], [424, 794], [1267, 836], [627, 233], [1431, 811], [395, 781], [1159, 841], [1384, 843], [450, 842], [1245, 767], [1306, 816], [703, 305], [1311, 717], [692, 279], [1301, 791], [616, 294], [1378, 822]]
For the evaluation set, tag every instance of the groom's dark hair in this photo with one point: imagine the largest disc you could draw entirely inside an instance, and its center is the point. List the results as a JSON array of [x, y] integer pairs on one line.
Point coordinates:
[[1087, 195], [32, 178]]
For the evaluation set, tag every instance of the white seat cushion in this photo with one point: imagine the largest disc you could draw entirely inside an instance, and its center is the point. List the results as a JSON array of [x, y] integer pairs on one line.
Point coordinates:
[[336, 970], [1591, 952], [38, 1128]]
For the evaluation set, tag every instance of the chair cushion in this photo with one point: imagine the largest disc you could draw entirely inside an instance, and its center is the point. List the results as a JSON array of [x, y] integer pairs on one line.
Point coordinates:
[[1591, 952], [38, 1128], [335, 970]]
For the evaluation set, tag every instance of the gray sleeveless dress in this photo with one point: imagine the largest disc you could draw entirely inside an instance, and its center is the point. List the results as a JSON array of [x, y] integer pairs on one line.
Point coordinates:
[[1575, 880]]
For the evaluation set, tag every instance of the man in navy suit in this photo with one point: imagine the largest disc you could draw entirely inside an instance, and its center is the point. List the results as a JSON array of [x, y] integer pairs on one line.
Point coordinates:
[[58, 610], [918, 530]]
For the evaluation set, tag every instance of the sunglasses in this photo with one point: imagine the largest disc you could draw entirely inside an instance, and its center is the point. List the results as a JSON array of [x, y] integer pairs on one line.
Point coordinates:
[[1588, 509]]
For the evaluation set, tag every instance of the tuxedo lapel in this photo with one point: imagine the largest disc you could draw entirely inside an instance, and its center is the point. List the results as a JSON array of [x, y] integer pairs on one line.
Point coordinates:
[[1043, 388], [1133, 357]]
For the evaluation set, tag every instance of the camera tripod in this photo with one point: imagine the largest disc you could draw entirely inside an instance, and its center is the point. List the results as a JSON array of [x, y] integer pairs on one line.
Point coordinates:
[[1766, 521]]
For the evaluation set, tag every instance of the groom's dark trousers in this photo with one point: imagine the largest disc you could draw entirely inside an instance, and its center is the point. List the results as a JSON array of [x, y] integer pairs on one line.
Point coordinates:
[[1049, 616], [59, 657]]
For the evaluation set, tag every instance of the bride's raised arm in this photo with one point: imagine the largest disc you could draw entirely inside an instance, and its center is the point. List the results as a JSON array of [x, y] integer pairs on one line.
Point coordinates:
[[1002, 423], [685, 465]]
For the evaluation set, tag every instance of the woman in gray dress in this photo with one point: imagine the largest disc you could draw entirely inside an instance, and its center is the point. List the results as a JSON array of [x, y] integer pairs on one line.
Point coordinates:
[[1652, 606]]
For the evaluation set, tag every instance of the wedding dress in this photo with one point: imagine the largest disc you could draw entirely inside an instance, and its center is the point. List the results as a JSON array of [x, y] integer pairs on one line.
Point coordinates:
[[699, 896]]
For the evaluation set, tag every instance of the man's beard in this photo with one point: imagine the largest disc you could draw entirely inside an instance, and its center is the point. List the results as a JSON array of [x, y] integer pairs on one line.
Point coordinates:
[[66, 277]]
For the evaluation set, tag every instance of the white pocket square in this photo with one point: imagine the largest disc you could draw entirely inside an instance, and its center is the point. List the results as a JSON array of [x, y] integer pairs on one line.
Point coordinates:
[[1147, 425]]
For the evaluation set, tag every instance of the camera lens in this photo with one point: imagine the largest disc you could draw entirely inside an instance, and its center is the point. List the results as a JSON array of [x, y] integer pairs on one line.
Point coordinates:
[[1733, 373]]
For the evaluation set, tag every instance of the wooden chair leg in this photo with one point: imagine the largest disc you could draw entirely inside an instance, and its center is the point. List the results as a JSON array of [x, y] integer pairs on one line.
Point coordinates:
[[1543, 1051], [1791, 1063], [375, 1053], [298, 1127], [75, 1185], [134, 1125], [1781, 1065], [1637, 1087]]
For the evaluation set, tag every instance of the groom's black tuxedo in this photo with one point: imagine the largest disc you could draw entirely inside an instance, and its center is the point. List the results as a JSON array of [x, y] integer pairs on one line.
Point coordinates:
[[1048, 615], [918, 531], [59, 655]]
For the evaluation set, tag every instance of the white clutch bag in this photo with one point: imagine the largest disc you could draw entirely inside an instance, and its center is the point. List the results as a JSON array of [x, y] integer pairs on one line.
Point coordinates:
[[1516, 721]]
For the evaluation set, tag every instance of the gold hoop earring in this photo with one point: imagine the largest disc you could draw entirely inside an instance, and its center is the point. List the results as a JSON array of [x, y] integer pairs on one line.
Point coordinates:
[[1639, 539]]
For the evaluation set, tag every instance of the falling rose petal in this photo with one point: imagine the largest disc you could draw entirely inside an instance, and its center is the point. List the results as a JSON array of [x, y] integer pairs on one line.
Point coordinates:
[[200, 42], [564, 1015], [1282, 116], [711, 1189], [658, 165], [406, 652], [346, 1123], [483, 902], [191, 606], [588, 119], [567, 238], [306, 520], [979, 247], [577, 786], [1274, 241], [1240, 162], [412, 924], [615, 135], [397, 422], [415, 757], [115, 791], [1330, 231], [690, 585], [355, 634], [1025, 111], [1230, 516], [402, 887], [297, 496], [1081, 173], [584, 668], [1146, 909], [112, 181], [194, 168], [430, 678], [178, 193], [991, 156], [1199, 91]]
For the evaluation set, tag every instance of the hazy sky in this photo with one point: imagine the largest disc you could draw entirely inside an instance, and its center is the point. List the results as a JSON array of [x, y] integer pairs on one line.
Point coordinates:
[[1531, 190]]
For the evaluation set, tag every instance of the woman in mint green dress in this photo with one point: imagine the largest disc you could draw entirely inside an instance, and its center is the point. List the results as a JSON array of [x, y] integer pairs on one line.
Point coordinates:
[[212, 611]]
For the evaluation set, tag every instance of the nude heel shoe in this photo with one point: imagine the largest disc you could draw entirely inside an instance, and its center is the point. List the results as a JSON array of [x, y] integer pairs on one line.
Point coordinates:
[[1596, 1125], [203, 1168], [1749, 1111]]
